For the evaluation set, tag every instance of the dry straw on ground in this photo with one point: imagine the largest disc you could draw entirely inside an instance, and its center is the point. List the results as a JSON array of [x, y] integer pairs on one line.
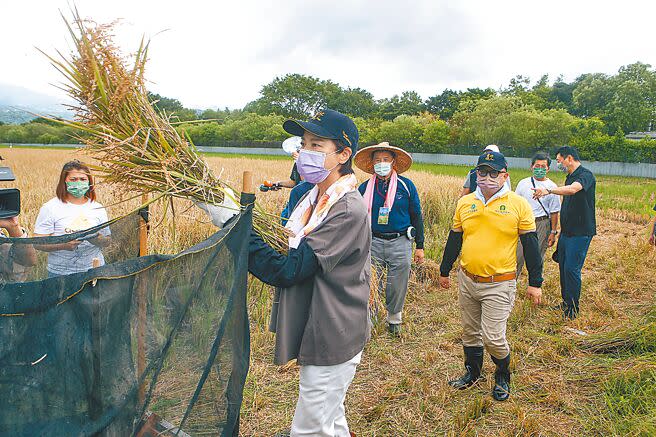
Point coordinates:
[[400, 388]]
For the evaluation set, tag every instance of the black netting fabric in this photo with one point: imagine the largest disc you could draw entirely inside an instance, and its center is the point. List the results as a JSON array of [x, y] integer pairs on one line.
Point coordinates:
[[97, 351]]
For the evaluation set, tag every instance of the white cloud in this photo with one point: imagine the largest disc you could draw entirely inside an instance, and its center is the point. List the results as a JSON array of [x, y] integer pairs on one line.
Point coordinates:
[[220, 53]]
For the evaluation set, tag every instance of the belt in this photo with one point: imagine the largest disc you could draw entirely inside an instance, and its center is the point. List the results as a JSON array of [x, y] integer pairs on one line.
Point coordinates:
[[539, 219], [501, 277], [388, 235]]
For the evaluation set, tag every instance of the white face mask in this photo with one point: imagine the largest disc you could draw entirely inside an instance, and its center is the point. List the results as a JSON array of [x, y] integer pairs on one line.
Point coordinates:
[[383, 168]]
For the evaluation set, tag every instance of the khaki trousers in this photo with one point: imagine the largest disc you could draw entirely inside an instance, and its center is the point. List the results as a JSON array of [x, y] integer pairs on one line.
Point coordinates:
[[484, 310]]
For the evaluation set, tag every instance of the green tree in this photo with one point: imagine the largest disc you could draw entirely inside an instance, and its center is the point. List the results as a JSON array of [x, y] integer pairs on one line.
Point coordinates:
[[368, 129], [404, 131], [592, 95], [520, 87], [355, 102], [408, 103], [507, 121], [473, 95], [172, 107], [435, 137], [633, 106], [294, 96], [254, 127], [561, 94], [445, 104]]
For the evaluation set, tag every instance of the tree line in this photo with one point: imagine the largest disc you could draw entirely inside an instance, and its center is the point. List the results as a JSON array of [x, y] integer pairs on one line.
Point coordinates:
[[593, 113]]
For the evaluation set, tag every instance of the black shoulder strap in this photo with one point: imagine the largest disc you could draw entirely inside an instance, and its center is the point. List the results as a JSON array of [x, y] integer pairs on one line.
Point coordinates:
[[539, 201]]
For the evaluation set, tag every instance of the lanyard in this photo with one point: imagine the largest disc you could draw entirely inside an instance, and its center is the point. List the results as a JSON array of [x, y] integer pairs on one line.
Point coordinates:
[[543, 208], [383, 195]]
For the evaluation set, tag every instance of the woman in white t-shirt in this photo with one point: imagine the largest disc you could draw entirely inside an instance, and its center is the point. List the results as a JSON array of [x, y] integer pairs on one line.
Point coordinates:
[[73, 209]]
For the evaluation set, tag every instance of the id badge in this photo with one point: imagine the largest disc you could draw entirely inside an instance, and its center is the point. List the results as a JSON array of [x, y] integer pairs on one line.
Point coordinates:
[[383, 215]]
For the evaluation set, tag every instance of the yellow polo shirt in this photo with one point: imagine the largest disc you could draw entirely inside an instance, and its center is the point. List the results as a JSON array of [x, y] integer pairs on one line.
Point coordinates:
[[490, 232]]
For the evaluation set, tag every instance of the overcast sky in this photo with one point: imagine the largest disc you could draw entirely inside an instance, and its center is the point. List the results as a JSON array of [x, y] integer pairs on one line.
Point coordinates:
[[212, 54]]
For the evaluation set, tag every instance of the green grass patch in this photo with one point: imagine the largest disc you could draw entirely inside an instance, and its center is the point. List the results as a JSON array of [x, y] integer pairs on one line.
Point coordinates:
[[13, 146], [631, 404]]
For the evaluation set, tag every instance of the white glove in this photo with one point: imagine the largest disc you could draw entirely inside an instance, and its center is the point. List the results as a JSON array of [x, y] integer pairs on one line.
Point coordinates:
[[222, 212]]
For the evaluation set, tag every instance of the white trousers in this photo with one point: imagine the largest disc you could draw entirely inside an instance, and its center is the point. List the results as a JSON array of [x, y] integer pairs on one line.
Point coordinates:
[[320, 407]]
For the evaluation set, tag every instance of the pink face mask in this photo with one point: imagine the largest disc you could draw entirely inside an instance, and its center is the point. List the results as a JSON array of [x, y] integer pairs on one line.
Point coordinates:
[[310, 166], [487, 183]]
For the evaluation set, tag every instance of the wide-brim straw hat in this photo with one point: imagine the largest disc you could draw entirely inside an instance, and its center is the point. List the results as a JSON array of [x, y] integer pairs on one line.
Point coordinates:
[[364, 159]]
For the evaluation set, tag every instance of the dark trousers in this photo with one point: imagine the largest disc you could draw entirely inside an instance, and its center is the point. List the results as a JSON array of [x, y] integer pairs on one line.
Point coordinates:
[[572, 251]]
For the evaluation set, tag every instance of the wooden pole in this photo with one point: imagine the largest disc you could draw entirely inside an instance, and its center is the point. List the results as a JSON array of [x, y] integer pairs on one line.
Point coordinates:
[[141, 306], [96, 403], [247, 182]]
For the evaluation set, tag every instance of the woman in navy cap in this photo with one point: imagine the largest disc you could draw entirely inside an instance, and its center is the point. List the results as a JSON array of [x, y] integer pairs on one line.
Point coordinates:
[[320, 312]]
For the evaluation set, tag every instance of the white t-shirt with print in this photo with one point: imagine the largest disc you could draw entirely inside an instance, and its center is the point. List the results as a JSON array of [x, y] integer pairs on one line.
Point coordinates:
[[59, 218], [551, 202]]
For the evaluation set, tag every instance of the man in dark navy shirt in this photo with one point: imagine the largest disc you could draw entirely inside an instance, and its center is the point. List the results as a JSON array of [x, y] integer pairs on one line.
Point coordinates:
[[396, 221], [577, 224]]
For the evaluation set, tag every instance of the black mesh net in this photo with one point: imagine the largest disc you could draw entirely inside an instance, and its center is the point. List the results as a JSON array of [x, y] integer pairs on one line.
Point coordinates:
[[131, 347]]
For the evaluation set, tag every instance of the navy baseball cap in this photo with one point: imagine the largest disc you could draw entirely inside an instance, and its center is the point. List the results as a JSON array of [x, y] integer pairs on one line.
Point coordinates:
[[492, 159], [329, 124]]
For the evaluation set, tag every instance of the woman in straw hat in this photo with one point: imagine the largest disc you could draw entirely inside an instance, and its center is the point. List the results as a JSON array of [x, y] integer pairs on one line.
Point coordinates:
[[396, 221]]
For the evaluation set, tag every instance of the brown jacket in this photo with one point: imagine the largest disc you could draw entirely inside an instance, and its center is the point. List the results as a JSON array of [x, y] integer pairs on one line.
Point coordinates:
[[325, 320]]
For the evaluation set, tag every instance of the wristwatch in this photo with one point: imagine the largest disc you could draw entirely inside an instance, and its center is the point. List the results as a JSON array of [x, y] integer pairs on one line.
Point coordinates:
[[554, 232], [549, 190]]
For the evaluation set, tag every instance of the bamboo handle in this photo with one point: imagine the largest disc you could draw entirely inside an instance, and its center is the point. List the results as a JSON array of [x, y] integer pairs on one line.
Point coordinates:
[[248, 182]]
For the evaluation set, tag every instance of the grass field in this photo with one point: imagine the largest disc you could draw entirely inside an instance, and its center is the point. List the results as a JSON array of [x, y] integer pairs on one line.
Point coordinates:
[[592, 376]]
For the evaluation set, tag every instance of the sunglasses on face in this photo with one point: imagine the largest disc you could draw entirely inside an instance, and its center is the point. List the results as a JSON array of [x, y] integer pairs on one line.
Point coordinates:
[[483, 172]]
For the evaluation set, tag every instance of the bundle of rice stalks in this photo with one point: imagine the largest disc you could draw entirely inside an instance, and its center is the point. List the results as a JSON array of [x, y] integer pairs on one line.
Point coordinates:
[[137, 146]]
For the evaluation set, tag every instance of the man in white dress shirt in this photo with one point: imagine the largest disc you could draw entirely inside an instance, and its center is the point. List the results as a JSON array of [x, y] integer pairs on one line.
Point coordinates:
[[545, 209]]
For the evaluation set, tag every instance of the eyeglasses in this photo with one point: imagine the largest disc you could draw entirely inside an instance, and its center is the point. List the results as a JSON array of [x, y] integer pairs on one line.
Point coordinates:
[[491, 173]]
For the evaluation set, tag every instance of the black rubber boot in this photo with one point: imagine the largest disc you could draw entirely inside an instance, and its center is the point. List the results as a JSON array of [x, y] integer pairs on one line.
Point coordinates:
[[501, 390], [473, 366]]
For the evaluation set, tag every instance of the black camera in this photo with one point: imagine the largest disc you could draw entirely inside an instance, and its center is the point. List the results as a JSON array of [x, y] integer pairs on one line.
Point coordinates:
[[9, 197]]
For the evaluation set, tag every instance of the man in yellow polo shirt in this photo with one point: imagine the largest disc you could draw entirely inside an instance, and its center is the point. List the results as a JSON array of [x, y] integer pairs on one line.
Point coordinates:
[[486, 227]]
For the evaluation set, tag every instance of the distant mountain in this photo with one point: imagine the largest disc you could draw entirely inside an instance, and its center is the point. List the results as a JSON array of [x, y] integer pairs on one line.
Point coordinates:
[[18, 105]]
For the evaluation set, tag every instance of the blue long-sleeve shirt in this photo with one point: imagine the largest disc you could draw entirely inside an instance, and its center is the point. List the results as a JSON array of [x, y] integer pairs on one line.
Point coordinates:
[[294, 196], [405, 212]]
